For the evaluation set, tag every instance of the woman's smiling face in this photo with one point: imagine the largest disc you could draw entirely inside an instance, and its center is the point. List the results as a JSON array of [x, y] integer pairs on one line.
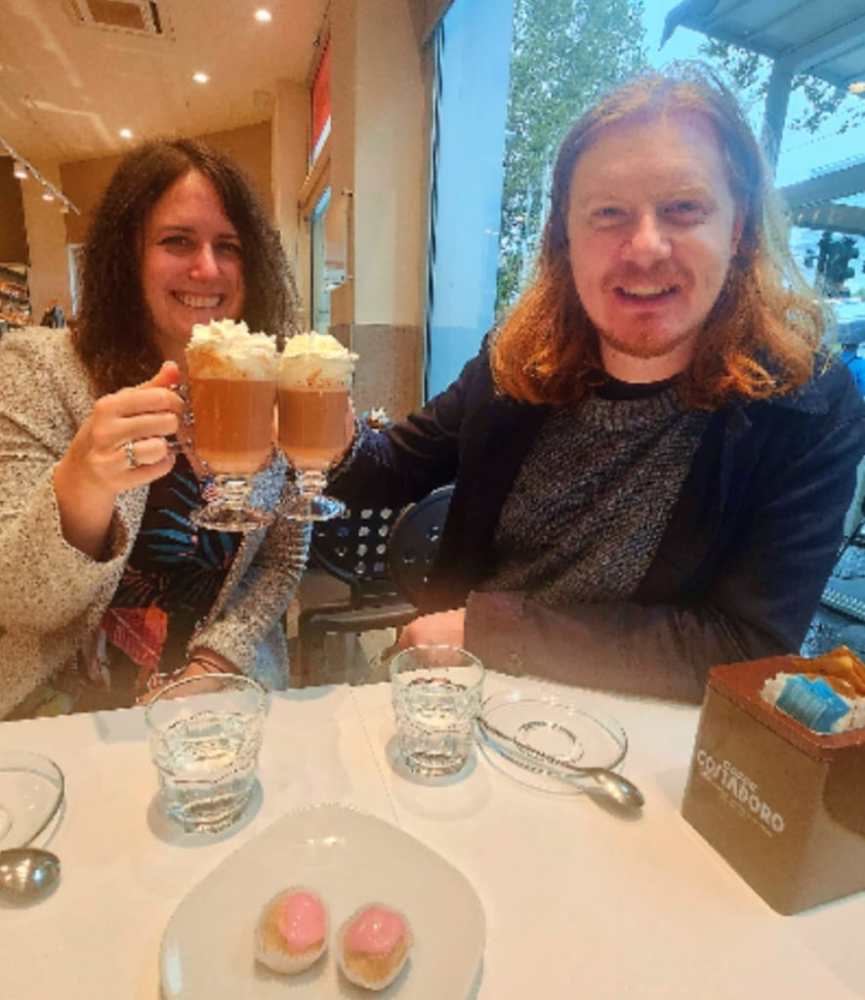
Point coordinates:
[[191, 262], [652, 227]]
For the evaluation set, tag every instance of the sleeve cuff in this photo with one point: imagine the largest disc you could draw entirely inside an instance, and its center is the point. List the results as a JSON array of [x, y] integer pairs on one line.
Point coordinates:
[[493, 630]]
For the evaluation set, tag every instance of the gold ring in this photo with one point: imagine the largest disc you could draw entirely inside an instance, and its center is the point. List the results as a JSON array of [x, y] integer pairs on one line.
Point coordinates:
[[131, 460]]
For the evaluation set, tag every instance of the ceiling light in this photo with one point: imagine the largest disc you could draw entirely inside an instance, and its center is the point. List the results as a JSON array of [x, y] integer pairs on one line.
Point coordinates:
[[263, 15], [125, 133], [47, 196], [857, 87], [20, 171], [200, 77]]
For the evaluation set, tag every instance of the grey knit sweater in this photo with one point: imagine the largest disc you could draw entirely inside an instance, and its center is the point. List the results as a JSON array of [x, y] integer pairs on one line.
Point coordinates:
[[591, 501]]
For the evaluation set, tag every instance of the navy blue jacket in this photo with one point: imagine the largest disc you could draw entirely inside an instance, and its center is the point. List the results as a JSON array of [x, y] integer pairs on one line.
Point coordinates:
[[739, 570]]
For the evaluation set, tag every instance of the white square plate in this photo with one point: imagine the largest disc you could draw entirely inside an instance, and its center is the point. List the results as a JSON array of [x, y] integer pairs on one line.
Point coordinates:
[[350, 859]]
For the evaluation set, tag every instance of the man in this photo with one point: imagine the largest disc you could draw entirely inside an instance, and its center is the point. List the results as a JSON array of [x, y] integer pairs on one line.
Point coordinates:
[[651, 458]]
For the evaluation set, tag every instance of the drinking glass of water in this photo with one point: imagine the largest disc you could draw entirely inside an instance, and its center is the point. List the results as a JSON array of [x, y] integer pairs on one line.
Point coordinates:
[[436, 693], [205, 734]]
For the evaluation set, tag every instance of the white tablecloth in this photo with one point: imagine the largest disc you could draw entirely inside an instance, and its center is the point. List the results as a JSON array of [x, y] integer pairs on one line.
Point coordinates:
[[579, 902]]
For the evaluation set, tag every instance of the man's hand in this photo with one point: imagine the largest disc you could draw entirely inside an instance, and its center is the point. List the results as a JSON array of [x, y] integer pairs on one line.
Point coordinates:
[[444, 628]]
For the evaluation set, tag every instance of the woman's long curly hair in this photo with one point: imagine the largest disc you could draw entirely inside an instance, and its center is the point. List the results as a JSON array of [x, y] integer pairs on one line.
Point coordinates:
[[114, 333], [762, 335]]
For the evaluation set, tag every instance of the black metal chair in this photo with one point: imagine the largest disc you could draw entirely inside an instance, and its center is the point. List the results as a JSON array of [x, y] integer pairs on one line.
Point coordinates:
[[414, 542], [384, 559]]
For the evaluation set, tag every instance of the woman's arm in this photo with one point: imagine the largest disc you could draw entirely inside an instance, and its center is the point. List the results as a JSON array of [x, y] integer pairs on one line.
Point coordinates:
[[46, 579], [260, 598], [45, 583], [130, 424]]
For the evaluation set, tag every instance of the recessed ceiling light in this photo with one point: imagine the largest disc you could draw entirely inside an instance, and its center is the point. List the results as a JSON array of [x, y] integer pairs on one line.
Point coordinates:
[[200, 77], [125, 133], [857, 87], [263, 15], [47, 196], [20, 171]]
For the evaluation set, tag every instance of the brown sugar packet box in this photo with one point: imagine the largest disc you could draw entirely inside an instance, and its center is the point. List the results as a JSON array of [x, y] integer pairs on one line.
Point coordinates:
[[784, 806]]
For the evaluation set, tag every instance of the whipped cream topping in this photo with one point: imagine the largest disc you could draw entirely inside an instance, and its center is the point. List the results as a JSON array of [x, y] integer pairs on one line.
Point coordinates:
[[315, 361], [225, 349], [301, 921], [375, 931]]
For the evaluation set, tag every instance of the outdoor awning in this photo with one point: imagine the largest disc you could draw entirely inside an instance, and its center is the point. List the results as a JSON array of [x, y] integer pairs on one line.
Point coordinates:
[[823, 37]]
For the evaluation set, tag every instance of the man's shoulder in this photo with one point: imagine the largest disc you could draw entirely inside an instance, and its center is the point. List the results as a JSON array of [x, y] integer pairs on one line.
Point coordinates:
[[830, 393]]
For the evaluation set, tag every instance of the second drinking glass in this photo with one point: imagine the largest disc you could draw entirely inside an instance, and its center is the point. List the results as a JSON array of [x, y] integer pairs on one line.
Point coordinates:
[[232, 391], [314, 384]]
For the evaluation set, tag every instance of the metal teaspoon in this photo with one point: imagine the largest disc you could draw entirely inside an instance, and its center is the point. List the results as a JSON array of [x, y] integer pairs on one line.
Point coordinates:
[[27, 873]]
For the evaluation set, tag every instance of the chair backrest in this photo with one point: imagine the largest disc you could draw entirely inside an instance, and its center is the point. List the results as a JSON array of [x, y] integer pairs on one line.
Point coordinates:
[[414, 541], [353, 548]]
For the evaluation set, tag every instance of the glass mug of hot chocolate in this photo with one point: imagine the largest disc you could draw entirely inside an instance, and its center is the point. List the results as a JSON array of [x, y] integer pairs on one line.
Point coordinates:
[[314, 399], [232, 393]]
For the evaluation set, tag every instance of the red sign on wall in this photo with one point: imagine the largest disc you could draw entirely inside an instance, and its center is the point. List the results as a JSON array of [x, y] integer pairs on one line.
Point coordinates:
[[321, 103]]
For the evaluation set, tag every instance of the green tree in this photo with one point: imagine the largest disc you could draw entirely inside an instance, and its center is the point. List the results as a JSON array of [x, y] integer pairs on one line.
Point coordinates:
[[565, 54], [750, 72]]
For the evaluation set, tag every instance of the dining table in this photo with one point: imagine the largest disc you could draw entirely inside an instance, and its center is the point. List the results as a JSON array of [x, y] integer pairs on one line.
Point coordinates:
[[579, 899]]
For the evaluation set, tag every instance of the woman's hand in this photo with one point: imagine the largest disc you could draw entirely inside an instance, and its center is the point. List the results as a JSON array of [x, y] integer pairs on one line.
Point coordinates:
[[444, 628], [121, 445], [200, 665]]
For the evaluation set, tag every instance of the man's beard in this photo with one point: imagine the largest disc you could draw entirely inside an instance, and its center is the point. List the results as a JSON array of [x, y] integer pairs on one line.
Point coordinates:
[[645, 345]]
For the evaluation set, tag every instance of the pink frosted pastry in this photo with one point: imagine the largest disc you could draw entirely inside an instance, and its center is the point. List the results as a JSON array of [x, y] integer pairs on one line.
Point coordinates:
[[373, 946], [292, 931]]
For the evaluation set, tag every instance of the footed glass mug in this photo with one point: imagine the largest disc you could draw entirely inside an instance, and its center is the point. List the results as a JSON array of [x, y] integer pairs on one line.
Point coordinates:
[[231, 394], [315, 377]]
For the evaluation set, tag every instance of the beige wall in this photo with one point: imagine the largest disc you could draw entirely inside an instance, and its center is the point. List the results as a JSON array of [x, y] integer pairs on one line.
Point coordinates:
[[342, 139], [433, 12], [13, 235], [390, 167], [289, 145], [380, 153], [85, 180], [46, 238]]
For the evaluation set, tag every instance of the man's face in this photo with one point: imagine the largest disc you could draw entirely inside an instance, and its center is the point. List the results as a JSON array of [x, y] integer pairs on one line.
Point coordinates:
[[652, 226], [191, 262]]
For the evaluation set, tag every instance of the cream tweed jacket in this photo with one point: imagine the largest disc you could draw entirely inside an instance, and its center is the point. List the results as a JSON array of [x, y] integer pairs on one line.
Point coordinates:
[[52, 596]]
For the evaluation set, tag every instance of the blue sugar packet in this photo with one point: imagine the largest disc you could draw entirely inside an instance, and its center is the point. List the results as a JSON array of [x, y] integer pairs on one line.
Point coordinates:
[[814, 703]]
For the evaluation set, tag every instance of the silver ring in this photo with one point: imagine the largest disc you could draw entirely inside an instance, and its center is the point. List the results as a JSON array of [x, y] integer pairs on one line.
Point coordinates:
[[131, 460]]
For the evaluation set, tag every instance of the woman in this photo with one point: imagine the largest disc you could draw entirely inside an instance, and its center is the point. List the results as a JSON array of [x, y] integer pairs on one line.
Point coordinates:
[[105, 585]]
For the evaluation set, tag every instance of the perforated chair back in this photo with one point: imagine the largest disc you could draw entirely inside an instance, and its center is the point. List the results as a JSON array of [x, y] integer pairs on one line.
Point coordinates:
[[353, 548], [414, 541]]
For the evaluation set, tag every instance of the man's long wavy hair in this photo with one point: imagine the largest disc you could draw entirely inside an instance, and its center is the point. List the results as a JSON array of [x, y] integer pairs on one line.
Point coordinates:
[[114, 331], [761, 336]]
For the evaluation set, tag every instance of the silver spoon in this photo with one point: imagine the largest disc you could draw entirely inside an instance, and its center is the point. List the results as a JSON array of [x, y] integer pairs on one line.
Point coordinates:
[[27, 873], [616, 785]]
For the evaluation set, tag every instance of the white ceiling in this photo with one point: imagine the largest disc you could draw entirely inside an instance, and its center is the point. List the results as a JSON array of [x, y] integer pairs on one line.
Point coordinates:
[[66, 88]]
